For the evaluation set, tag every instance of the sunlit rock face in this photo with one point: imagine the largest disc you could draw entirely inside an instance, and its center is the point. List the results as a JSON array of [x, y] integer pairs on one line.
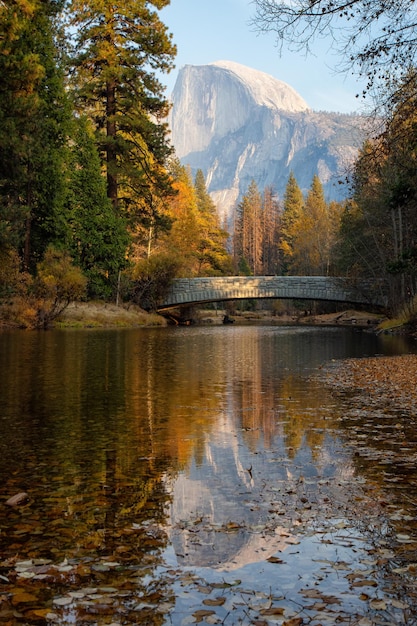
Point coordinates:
[[237, 124]]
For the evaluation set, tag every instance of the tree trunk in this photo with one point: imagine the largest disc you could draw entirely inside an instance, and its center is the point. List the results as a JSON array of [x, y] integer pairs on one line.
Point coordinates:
[[111, 152]]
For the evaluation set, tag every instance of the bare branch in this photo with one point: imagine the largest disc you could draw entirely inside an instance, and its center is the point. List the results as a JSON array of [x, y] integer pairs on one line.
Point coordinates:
[[375, 38]]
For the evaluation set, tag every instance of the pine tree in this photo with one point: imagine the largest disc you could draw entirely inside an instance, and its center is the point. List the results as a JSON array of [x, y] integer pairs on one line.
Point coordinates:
[[291, 216], [120, 48], [97, 237], [271, 229], [34, 117]]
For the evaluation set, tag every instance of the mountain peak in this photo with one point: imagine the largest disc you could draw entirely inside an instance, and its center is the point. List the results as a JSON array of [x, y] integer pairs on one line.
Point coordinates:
[[237, 124], [264, 88]]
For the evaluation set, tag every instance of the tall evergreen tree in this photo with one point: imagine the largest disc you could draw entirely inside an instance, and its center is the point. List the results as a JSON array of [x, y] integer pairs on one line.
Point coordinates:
[[120, 47], [34, 116], [97, 237], [292, 214], [271, 229]]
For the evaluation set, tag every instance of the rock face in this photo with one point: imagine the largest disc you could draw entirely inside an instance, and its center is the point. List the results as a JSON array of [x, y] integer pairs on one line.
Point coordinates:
[[237, 124]]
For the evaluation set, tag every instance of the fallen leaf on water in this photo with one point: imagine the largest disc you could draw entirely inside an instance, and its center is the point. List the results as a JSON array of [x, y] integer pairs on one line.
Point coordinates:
[[214, 601], [18, 499], [378, 605], [399, 605], [225, 585], [39, 613], [318, 595], [202, 613], [23, 597], [63, 601], [311, 593], [274, 610], [275, 559]]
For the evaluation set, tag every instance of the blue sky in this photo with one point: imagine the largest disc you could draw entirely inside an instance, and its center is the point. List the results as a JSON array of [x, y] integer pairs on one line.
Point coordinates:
[[217, 30]]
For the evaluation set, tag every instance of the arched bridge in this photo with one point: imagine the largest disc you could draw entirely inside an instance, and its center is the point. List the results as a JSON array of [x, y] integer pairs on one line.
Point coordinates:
[[188, 291]]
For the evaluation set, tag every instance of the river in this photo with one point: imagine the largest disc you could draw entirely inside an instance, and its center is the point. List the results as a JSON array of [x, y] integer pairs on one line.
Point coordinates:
[[200, 475]]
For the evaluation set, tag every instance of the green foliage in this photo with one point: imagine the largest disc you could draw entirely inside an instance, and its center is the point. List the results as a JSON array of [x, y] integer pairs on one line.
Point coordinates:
[[34, 115], [243, 267], [98, 237], [52, 188], [119, 49], [292, 214], [10, 275]]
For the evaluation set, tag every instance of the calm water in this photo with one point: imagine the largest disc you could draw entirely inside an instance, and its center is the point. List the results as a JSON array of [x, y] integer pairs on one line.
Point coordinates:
[[186, 475]]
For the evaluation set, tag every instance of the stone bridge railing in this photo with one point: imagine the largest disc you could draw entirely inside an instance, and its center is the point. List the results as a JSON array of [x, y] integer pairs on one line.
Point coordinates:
[[188, 291]]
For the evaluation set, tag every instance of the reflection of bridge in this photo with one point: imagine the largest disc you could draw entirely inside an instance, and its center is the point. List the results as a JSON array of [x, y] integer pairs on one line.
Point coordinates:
[[187, 291]]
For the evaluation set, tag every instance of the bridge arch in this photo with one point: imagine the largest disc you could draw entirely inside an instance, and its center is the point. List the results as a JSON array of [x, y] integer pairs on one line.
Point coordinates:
[[188, 291]]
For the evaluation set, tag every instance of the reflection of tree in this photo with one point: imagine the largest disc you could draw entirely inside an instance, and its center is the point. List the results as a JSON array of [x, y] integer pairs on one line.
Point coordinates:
[[267, 400], [105, 428], [305, 418]]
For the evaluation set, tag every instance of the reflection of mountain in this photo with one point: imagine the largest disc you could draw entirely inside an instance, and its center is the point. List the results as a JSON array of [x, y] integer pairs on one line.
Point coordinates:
[[260, 426], [227, 511]]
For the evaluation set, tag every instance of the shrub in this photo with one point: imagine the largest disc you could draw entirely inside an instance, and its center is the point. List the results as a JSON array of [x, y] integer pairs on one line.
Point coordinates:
[[58, 282]]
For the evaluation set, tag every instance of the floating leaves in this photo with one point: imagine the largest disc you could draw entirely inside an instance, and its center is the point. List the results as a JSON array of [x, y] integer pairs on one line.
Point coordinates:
[[316, 535], [19, 499], [274, 559], [219, 601]]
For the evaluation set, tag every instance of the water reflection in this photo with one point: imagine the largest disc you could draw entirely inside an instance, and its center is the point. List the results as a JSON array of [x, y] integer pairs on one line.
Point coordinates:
[[200, 447]]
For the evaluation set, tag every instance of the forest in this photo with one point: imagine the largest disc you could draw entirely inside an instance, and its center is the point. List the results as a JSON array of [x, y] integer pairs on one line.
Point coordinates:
[[94, 204]]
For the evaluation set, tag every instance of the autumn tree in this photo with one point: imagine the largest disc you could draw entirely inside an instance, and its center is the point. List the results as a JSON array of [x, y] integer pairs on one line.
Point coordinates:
[[248, 231], [379, 226], [313, 239], [212, 255], [194, 245], [120, 47], [182, 239], [257, 231], [195, 235]]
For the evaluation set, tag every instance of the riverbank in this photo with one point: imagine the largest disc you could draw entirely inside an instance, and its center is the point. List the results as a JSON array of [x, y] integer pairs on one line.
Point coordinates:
[[106, 315], [377, 382], [350, 317], [97, 314], [101, 314]]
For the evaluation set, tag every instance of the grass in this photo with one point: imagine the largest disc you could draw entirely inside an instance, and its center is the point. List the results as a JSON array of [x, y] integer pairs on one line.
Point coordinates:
[[106, 315]]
